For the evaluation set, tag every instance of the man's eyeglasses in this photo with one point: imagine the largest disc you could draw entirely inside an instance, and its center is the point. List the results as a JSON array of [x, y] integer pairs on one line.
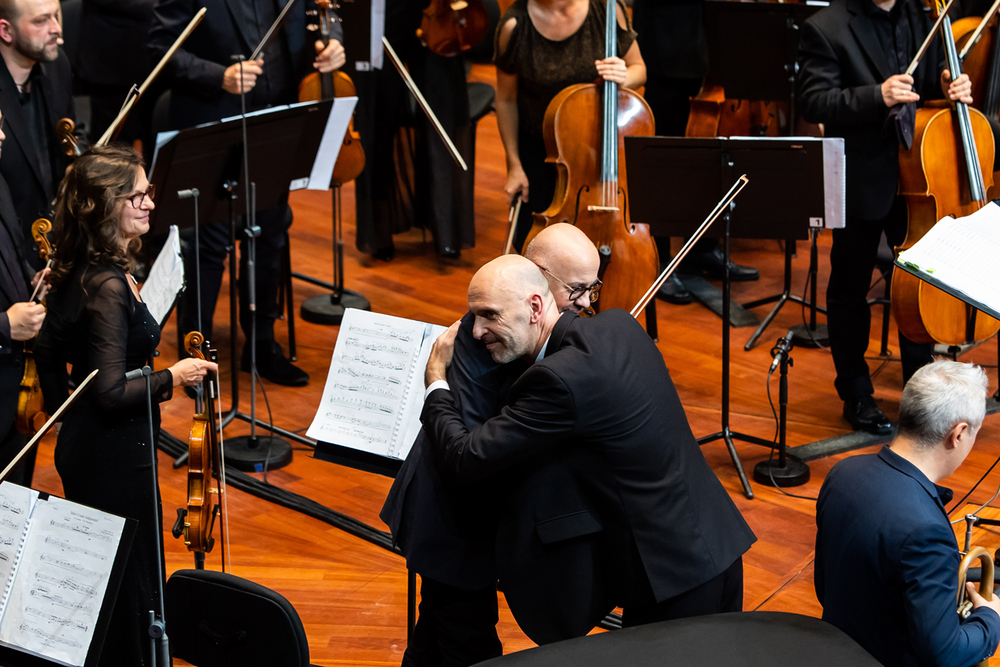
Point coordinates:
[[137, 198], [576, 292]]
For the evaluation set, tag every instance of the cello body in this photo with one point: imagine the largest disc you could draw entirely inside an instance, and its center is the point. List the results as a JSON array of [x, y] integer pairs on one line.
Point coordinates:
[[935, 188], [451, 27], [713, 115], [573, 139]]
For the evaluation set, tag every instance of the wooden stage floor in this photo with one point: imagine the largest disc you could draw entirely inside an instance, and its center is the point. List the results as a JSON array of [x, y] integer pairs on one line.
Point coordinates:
[[350, 594]]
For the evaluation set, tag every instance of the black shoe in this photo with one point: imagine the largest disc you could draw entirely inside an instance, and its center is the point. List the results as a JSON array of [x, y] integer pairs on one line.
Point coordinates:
[[385, 254], [450, 253], [864, 415], [273, 366], [712, 264], [673, 291]]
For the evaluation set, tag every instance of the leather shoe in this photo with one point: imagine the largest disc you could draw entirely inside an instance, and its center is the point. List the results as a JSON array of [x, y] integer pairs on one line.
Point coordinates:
[[712, 264], [864, 415], [673, 291], [273, 366]]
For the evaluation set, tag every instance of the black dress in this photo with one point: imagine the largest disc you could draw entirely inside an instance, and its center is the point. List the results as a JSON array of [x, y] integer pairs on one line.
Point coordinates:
[[102, 454]]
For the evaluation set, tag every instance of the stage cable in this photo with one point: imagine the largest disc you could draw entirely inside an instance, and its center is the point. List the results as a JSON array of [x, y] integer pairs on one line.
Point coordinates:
[[770, 456]]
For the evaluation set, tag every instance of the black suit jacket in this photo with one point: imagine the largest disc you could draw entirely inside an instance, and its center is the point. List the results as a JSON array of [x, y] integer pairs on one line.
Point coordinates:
[[19, 163], [447, 529], [11, 352], [603, 394], [112, 49], [886, 564], [841, 69], [197, 67]]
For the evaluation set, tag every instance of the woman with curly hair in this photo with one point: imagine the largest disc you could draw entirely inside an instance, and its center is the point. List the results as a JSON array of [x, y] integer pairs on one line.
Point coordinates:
[[96, 319]]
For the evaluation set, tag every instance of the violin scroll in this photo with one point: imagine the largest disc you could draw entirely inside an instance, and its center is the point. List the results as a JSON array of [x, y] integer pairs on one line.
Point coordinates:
[[65, 128]]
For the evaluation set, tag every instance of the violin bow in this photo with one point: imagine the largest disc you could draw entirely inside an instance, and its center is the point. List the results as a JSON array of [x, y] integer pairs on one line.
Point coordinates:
[[977, 33], [675, 262], [136, 93], [515, 213], [52, 420], [216, 388], [423, 103], [931, 34]]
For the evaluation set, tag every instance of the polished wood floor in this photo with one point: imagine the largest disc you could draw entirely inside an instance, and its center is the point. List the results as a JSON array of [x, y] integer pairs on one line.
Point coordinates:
[[351, 595]]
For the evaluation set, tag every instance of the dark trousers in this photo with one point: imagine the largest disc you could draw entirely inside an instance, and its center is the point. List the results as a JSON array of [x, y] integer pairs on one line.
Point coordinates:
[[852, 259], [455, 628], [723, 593], [214, 240], [10, 444]]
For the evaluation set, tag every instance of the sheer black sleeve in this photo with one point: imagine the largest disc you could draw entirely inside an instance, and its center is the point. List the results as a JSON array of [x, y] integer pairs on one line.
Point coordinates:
[[51, 363], [109, 306]]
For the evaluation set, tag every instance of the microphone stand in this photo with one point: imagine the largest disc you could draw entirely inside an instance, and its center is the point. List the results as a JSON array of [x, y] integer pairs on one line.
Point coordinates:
[[787, 470], [159, 644]]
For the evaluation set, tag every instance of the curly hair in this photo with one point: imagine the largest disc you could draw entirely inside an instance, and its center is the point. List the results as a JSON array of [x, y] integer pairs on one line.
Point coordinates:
[[86, 229]]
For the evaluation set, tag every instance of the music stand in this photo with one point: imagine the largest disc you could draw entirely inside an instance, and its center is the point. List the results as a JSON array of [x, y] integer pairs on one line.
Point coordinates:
[[673, 181], [210, 158], [759, 62]]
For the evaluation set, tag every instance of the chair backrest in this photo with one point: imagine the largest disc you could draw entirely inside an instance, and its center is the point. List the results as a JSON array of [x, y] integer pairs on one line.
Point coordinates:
[[221, 620]]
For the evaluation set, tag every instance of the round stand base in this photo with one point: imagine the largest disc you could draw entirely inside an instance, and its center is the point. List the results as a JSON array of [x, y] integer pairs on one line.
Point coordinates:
[[322, 310], [248, 456], [804, 337], [795, 472]]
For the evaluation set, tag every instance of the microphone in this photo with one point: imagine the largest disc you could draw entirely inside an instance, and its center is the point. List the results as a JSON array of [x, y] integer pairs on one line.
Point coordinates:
[[186, 194], [781, 349], [134, 375]]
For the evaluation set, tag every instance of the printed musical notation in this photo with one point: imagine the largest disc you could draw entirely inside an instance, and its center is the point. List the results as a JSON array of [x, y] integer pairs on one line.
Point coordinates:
[[54, 596], [376, 368]]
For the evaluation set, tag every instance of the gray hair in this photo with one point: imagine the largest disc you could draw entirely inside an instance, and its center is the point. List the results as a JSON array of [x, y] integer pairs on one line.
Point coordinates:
[[939, 396]]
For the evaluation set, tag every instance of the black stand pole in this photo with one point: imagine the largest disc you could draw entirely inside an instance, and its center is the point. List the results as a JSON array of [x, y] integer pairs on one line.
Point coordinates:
[[815, 335], [329, 308], [785, 296], [787, 470], [159, 644], [727, 434]]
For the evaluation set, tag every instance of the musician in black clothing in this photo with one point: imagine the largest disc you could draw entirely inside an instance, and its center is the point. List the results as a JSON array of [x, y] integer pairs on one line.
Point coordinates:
[[20, 320], [206, 86], [35, 92], [852, 56]]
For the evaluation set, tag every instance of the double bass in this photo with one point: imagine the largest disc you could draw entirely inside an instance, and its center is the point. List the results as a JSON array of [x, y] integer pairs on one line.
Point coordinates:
[[590, 188], [947, 172]]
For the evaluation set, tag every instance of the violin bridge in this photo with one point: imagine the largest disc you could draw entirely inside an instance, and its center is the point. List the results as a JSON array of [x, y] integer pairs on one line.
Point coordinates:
[[603, 209]]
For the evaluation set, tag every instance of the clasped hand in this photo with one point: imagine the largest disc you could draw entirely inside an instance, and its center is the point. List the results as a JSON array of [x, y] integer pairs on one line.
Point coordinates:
[[898, 89], [441, 355], [328, 58]]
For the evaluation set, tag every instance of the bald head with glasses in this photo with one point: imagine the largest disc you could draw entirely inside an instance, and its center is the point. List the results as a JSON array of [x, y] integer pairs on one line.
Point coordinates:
[[570, 263]]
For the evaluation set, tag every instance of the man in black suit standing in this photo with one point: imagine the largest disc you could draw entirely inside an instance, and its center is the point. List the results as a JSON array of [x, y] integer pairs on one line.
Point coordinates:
[[206, 85], [447, 531], [35, 92], [852, 56], [20, 320], [886, 558], [597, 390]]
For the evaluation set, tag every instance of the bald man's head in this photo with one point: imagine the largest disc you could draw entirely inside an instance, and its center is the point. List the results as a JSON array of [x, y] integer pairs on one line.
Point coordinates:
[[570, 263], [513, 307]]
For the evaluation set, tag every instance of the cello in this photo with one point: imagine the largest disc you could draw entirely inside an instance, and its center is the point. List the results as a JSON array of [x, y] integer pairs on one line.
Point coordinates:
[[206, 462], [324, 86], [590, 188], [942, 175], [451, 27]]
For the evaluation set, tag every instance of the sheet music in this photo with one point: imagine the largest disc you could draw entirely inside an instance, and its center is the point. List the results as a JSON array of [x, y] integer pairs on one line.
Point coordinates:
[[962, 253], [16, 503], [60, 581], [166, 278], [369, 389]]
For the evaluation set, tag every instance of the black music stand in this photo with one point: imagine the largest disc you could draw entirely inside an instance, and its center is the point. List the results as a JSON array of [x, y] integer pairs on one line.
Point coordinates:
[[210, 158], [759, 63], [673, 181]]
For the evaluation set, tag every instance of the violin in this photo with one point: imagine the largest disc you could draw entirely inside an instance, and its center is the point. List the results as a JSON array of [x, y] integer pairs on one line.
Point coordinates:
[[942, 175], [451, 27], [206, 484], [30, 403], [591, 190], [65, 129], [324, 86]]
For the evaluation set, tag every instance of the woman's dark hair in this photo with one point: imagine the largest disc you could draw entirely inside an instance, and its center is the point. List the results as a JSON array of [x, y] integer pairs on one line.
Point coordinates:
[[86, 229]]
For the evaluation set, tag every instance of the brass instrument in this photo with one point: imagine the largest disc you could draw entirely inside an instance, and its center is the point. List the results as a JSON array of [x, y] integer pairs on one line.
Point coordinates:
[[985, 582]]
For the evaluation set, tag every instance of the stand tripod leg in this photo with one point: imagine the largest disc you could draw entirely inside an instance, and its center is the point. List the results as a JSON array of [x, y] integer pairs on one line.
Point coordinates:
[[747, 491], [782, 298]]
